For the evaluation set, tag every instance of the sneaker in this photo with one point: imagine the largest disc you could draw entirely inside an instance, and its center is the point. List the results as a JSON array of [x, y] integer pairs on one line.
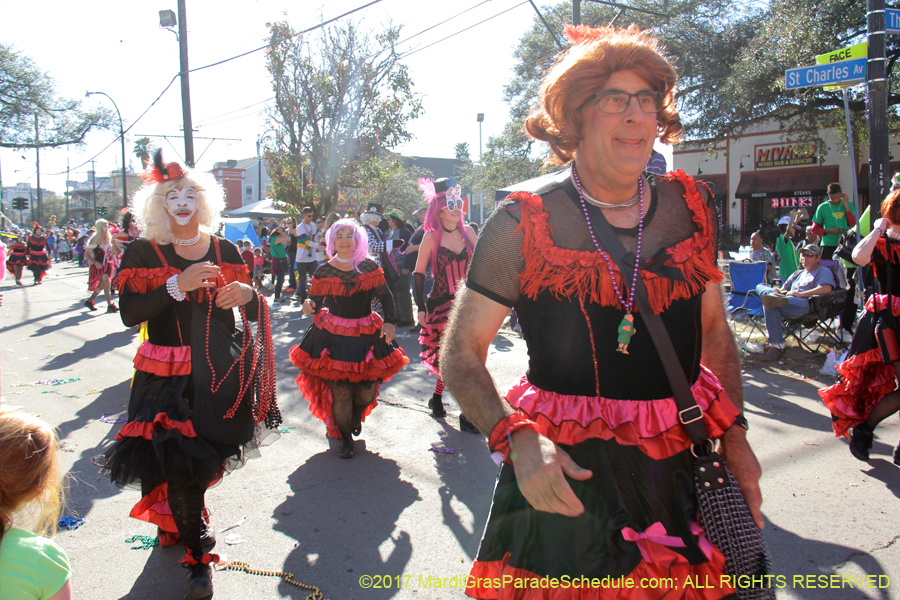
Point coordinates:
[[90, 305], [288, 289], [112, 308], [199, 583], [897, 455], [772, 354], [436, 404], [861, 442], [467, 425], [774, 301]]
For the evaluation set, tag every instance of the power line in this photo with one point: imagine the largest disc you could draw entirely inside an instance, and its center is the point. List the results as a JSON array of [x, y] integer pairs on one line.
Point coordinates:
[[234, 111], [442, 22]]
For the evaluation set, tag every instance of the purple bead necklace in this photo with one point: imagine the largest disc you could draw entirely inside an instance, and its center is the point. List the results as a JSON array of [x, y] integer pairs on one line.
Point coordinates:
[[626, 327]]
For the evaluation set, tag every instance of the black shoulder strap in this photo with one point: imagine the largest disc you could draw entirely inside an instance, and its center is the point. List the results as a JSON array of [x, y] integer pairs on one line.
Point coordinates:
[[690, 415]]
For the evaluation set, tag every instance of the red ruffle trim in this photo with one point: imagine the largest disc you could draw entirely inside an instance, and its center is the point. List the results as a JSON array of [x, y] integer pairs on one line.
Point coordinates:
[[165, 361], [144, 430], [318, 393], [335, 286], [154, 508], [651, 425], [350, 327], [497, 580], [865, 380], [881, 246], [96, 274], [879, 302], [566, 272], [141, 281], [336, 370]]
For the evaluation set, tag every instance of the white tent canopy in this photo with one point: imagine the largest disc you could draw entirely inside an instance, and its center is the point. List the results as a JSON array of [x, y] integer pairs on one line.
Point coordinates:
[[257, 210]]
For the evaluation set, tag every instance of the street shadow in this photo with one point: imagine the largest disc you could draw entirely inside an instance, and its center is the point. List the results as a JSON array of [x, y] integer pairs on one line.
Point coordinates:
[[162, 576], [502, 344], [343, 514], [92, 349], [884, 471], [768, 402], [463, 475], [788, 549], [72, 321], [86, 485]]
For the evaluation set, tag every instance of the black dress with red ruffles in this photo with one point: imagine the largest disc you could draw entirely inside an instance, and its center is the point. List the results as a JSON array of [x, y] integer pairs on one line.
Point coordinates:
[[864, 378], [104, 263], [38, 257], [17, 256], [161, 434], [613, 413], [449, 274], [344, 341]]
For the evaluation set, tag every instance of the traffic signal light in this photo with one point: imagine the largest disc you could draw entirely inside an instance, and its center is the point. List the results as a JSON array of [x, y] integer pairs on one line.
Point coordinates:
[[20, 203], [102, 211]]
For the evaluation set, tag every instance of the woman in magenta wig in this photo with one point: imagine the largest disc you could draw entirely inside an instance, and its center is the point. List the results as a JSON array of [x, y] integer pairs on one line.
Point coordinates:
[[447, 247], [348, 350]]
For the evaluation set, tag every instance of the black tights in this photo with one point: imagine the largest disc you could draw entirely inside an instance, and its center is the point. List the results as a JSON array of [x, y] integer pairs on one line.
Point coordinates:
[[187, 503], [350, 400]]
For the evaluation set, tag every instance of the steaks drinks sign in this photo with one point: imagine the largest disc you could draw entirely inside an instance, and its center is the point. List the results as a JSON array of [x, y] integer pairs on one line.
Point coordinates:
[[786, 155]]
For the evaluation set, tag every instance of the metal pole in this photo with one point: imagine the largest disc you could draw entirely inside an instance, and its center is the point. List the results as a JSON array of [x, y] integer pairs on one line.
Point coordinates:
[[258, 171], [481, 168], [94, 188], [576, 12], [855, 195], [185, 85], [876, 109], [37, 151]]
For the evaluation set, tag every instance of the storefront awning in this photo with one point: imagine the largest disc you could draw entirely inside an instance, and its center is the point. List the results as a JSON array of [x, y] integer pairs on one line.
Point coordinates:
[[862, 178], [717, 183], [786, 182]]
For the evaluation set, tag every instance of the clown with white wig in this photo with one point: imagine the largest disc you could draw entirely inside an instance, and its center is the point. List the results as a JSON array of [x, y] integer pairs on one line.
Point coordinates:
[[196, 412]]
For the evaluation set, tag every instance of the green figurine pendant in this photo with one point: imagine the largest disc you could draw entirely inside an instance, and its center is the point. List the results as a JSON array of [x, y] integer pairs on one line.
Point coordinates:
[[626, 330]]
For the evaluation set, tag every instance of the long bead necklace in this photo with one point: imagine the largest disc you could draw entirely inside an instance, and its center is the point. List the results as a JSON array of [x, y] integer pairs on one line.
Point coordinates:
[[626, 327]]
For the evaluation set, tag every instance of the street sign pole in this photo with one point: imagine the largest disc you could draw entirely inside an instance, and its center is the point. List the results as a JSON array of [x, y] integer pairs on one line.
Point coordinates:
[[876, 109]]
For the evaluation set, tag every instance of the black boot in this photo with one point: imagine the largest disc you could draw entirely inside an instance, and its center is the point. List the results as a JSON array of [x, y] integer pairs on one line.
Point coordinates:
[[199, 582], [436, 404], [467, 425], [897, 454], [861, 441]]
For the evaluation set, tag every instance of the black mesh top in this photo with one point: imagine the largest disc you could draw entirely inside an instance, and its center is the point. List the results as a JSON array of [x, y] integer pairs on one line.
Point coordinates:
[[880, 265], [359, 303], [558, 331]]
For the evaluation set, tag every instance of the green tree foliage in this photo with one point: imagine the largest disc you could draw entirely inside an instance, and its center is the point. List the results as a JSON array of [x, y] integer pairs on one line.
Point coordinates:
[[142, 150], [341, 96], [389, 185], [462, 151], [27, 95]]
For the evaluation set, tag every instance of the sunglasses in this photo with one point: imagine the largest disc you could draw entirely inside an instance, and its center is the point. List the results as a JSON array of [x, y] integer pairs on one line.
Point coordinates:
[[454, 204]]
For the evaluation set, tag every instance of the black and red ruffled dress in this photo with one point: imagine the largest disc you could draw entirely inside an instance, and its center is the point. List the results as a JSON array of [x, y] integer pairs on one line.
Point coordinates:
[[449, 274], [344, 341], [17, 256], [38, 256], [613, 413], [161, 435], [864, 378], [104, 264]]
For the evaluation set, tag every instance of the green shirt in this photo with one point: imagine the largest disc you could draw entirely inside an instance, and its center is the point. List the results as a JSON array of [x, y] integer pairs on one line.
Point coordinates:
[[790, 258], [32, 567], [830, 215], [277, 249]]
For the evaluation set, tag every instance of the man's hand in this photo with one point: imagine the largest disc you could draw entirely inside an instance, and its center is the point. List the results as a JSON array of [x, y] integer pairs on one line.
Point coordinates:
[[541, 467], [233, 295], [745, 467], [198, 275]]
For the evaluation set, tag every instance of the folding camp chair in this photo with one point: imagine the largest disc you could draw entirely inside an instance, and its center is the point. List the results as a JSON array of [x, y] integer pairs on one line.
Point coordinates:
[[743, 301], [823, 311]]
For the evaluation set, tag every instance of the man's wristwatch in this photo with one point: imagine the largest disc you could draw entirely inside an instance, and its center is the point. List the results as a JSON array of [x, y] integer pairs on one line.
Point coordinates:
[[742, 421]]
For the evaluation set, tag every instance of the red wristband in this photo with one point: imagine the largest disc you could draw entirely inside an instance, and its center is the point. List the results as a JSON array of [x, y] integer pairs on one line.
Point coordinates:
[[501, 435]]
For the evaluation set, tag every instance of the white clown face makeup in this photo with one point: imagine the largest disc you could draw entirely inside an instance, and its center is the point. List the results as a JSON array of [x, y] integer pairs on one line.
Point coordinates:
[[181, 204]]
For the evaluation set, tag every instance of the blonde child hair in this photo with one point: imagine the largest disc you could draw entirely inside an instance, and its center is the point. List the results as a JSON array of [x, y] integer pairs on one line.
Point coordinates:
[[30, 478]]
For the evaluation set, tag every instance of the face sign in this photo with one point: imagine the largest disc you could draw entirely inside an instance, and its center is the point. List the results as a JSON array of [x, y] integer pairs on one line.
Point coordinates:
[[620, 143], [344, 242], [181, 204]]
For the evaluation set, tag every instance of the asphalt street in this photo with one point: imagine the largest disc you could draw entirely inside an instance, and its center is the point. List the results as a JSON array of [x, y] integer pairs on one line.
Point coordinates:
[[399, 511]]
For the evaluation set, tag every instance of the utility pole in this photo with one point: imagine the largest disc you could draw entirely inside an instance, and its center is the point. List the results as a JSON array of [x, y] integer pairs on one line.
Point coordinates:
[[37, 151], [94, 188], [185, 85], [876, 108], [576, 12]]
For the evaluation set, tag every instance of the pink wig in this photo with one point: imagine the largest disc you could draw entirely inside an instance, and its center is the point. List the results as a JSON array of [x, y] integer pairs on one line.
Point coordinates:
[[361, 252], [436, 203]]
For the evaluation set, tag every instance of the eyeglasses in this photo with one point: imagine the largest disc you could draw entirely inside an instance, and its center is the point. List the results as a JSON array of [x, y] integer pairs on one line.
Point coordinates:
[[454, 204], [616, 102]]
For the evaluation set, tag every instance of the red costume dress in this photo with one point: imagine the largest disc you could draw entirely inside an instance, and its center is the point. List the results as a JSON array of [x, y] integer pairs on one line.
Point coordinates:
[[864, 378], [17, 257], [38, 257], [104, 264], [613, 413], [169, 430], [344, 341], [449, 273]]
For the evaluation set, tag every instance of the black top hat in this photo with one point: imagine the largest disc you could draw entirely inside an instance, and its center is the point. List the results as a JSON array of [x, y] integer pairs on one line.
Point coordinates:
[[374, 207], [441, 185]]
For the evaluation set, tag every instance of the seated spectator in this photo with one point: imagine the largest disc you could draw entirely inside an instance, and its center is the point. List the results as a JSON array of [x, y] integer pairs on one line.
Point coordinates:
[[790, 301], [759, 253]]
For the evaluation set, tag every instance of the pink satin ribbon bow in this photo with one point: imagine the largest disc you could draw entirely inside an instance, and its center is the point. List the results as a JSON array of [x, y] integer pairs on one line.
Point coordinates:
[[657, 533]]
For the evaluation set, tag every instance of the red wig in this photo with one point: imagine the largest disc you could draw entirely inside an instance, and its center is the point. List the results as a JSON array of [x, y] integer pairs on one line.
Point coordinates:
[[582, 71], [890, 207]]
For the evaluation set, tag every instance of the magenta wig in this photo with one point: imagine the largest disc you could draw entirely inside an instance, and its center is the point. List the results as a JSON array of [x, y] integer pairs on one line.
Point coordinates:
[[436, 203], [359, 236]]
